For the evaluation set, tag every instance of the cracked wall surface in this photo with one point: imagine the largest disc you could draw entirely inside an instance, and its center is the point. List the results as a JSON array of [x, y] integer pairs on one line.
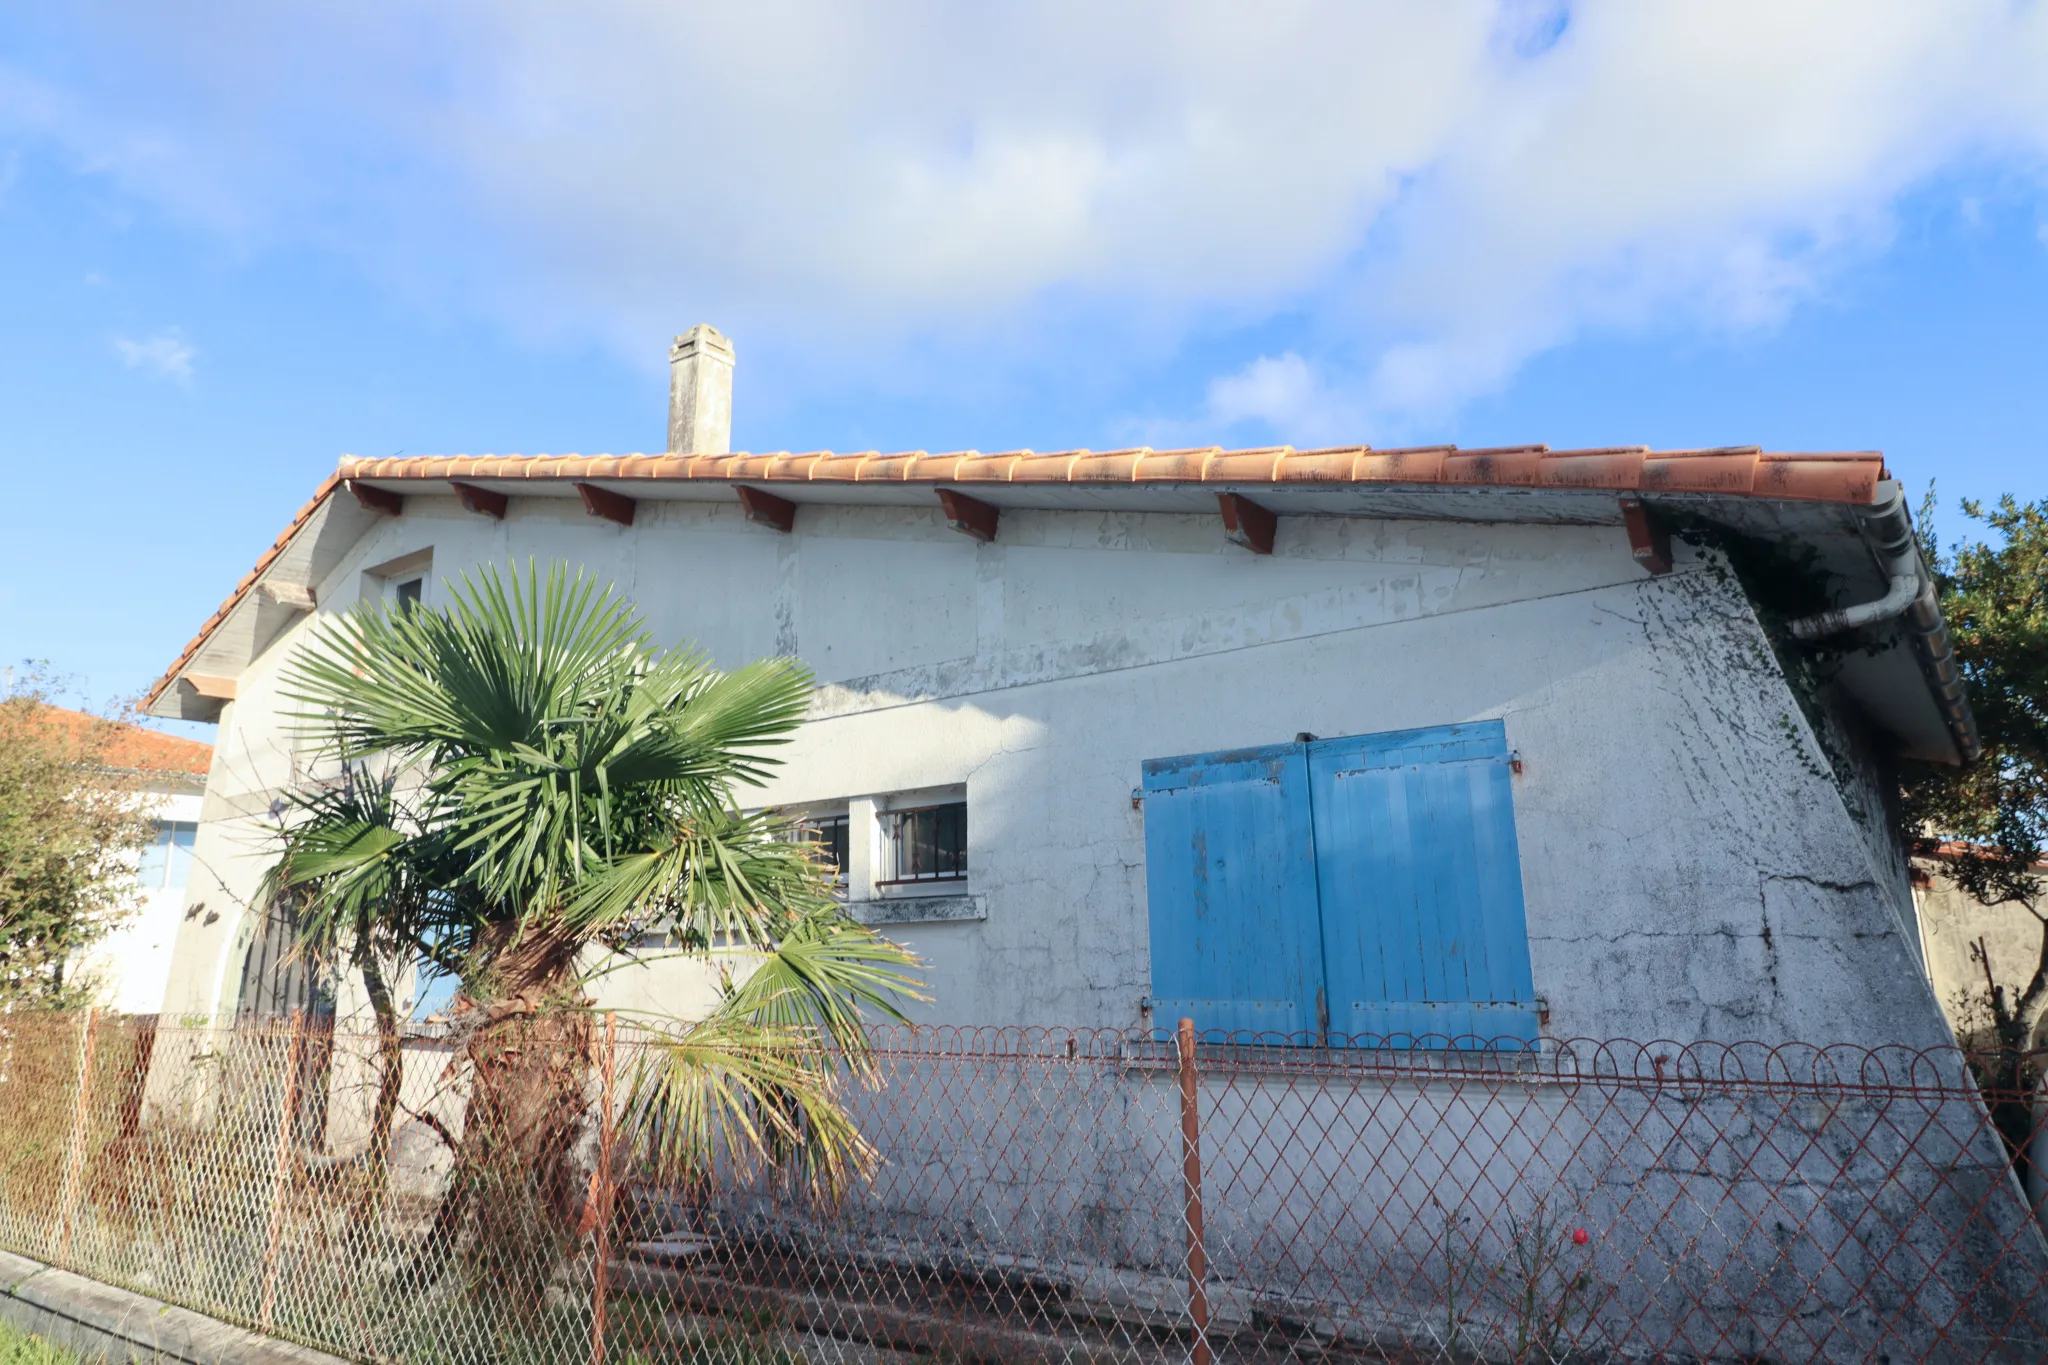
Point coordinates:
[[1691, 866]]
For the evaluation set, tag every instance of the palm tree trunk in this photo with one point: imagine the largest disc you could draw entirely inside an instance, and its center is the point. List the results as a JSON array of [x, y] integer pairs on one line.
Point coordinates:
[[390, 1081], [516, 1192]]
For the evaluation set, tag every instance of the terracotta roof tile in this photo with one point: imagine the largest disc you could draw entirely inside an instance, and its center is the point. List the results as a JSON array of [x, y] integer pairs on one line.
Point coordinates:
[[751, 467], [994, 468], [938, 468], [1045, 466], [1421, 465], [1174, 466], [1507, 466], [134, 748], [893, 468], [1620, 467], [840, 468], [1244, 466], [1819, 478], [787, 466], [1699, 471], [263, 561], [1317, 466], [1106, 466]]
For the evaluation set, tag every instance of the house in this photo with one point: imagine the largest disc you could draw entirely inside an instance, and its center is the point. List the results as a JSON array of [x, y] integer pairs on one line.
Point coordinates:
[[132, 964], [1520, 743], [1970, 946]]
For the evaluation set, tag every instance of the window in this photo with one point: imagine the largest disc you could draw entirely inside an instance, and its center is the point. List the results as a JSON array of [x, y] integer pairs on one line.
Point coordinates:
[[167, 860], [924, 844], [1367, 887], [275, 979], [828, 836], [400, 584], [433, 991]]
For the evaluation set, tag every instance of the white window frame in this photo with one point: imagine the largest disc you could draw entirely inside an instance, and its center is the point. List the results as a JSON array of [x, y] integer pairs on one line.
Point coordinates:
[[828, 810], [873, 824], [381, 581]]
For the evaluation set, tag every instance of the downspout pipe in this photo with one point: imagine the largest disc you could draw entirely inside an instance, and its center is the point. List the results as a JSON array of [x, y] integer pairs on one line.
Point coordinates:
[[1890, 536], [1909, 595]]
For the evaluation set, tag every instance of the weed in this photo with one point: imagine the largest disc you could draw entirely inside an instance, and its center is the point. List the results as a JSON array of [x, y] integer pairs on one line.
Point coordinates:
[[1527, 1306], [24, 1348]]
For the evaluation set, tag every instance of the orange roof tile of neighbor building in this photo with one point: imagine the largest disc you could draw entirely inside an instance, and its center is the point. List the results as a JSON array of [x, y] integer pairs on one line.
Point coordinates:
[[135, 748]]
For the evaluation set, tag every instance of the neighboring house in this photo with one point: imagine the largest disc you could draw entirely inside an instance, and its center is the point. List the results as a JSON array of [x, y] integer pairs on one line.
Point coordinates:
[[1969, 945], [133, 963], [1403, 742]]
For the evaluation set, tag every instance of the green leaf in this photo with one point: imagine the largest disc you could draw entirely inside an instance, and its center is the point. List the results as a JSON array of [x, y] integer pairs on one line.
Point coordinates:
[[732, 1095], [828, 972]]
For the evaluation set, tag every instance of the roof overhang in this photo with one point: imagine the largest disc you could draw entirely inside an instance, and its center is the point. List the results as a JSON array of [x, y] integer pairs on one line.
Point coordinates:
[[272, 595], [1818, 501]]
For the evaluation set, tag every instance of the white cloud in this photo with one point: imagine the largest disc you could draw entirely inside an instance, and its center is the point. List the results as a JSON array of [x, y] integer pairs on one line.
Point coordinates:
[[1278, 389], [1283, 393], [166, 354], [1439, 190]]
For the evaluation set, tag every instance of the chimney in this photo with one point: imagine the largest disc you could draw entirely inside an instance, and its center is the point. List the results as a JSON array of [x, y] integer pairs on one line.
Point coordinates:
[[700, 392]]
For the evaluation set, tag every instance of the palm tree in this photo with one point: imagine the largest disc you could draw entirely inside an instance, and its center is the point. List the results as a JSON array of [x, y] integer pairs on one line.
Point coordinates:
[[529, 793]]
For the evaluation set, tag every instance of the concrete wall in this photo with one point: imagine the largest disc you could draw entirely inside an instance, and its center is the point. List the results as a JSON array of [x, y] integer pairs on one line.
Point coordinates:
[[1727, 1222], [1690, 865], [1953, 923], [133, 963]]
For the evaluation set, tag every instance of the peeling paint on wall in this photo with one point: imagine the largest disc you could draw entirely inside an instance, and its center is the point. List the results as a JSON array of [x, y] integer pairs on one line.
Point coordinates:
[[1692, 865]]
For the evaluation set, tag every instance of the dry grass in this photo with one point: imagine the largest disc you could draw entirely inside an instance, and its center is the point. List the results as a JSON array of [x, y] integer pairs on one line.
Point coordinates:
[[25, 1348]]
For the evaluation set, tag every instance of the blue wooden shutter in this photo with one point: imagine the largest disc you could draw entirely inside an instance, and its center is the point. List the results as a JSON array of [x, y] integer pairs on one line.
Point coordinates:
[[1230, 880], [1421, 886]]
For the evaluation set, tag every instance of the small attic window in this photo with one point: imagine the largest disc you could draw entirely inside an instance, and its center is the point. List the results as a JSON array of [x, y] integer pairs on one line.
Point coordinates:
[[400, 583]]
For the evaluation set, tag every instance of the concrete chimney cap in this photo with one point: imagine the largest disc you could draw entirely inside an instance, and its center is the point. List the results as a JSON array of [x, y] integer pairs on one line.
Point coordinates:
[[703, 336]]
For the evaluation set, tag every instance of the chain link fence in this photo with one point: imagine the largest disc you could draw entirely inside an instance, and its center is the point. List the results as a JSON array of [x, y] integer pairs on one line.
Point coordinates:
[[1039, 1195]]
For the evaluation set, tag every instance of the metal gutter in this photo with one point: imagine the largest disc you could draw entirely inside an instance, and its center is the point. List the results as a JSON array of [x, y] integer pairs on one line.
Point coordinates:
[[1909, 597]]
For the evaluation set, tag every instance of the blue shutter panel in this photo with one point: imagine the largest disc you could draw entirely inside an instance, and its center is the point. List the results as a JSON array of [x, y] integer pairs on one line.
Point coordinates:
[[1421, 886], [1231, 887]]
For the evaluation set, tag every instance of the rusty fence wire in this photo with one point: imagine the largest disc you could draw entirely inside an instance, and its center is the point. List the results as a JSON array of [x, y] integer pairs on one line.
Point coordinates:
[[1037, 1195]]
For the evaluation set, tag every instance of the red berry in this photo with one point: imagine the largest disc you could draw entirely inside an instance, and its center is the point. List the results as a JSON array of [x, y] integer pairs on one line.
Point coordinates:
[[1580, 1237]]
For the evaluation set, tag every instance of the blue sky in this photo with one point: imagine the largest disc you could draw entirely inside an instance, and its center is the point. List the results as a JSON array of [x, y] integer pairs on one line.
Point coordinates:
[[237, 247]]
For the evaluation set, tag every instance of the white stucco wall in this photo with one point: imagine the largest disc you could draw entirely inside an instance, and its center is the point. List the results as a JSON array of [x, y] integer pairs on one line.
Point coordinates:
[[1954, 925], [132, 965], [1689, 865]]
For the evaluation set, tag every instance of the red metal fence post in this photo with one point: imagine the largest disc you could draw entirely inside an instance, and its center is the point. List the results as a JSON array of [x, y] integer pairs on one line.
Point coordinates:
[[1191, 1184], [74, 1155], [601, 1191], [280, 1184]]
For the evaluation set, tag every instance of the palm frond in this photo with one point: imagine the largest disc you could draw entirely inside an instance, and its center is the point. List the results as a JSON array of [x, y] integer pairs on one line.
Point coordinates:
[[575, 783], [720, 873], [350, 864], [826, 973], [495, 669], [732, 1097], [723, 718]]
